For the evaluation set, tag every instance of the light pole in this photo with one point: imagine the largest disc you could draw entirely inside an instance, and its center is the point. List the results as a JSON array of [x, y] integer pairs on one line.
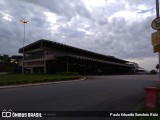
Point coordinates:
[[24, 22]]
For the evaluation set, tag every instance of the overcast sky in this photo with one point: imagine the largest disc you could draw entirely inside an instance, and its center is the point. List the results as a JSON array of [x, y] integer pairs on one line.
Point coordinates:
[[121, 28]]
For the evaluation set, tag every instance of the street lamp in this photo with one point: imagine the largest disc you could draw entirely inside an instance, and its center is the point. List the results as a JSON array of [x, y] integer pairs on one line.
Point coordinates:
[[24, 22]]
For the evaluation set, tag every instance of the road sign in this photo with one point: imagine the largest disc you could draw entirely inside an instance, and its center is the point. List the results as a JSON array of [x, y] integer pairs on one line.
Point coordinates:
[[156, 48], [156, 38], [156, 23]]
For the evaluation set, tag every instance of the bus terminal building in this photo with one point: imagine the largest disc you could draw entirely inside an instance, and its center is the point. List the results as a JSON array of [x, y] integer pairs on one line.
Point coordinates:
[[44, 56]]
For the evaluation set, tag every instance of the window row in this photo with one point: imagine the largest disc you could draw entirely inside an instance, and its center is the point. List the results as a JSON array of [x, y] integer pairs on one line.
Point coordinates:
[[36, 63], [34, 55]]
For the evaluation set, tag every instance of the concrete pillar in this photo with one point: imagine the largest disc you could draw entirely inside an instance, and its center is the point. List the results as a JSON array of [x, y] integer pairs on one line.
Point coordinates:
[[67, 64], [45, 70], [84, 72], [31, 69]]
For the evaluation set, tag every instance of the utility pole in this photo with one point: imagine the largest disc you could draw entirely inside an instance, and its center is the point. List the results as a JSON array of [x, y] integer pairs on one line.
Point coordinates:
[[157, 15]]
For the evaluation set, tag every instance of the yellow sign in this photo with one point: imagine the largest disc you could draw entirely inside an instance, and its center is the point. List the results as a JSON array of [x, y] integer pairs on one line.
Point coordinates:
[[156, 48], [156, 38]]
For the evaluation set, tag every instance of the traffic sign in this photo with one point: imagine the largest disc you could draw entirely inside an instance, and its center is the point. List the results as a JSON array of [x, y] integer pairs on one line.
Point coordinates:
[[156, 38], [156, 48], [156, 23]]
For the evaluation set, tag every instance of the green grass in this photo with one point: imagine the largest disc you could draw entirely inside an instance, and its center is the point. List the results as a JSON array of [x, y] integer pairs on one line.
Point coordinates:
[[10, 79]]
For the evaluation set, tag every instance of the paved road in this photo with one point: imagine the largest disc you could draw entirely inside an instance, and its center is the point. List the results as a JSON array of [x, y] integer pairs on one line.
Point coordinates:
[[97, 93]]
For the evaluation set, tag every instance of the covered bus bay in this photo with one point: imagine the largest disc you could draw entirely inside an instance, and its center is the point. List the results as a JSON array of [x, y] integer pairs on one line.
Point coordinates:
[[86, 66]]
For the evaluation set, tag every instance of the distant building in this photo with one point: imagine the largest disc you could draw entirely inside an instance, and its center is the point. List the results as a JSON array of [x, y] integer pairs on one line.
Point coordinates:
[[44, 56], [137, 69]]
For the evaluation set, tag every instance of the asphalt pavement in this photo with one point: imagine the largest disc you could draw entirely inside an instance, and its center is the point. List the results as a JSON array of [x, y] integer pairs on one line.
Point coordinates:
[[96, 93]]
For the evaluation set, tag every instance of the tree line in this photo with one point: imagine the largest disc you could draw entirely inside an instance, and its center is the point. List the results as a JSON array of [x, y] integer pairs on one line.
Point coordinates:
[[5, 58], [7, 64]]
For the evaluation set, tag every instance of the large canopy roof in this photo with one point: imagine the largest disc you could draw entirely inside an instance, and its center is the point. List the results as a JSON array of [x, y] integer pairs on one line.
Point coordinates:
[[78, 51]]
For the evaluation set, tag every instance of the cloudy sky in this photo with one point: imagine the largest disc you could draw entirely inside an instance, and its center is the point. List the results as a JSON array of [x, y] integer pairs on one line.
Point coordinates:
[[121, 28]]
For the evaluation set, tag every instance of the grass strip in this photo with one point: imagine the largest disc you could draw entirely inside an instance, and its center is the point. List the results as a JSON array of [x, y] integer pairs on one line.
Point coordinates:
[[14, 79]]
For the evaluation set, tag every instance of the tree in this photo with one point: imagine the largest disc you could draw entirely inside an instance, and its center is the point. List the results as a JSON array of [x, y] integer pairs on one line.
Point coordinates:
[[153, 72], [5, 58], [157, 66], [6, 64]]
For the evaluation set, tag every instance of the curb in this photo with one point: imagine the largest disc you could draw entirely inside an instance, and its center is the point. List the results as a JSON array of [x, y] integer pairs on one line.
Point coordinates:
[[45, 83]]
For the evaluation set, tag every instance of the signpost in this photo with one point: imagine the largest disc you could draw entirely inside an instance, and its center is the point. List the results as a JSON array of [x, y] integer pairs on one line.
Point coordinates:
[[156, 38], [156, 35], [156, 48], [156, 23], [152, 93]]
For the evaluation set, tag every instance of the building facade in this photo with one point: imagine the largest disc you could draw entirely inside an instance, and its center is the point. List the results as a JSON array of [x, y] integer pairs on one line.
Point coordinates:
[[44, 56]]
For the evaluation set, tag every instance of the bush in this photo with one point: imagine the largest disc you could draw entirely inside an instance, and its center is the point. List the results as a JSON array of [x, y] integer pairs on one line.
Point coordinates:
[[1, 84], [153, 72], [67, 73], [25, 81]]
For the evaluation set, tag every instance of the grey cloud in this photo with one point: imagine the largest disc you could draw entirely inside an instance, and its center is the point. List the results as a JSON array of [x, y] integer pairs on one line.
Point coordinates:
[[145, 11], [123, 40], [139, 2], [67, 8], [71, 33], [11, 32]]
